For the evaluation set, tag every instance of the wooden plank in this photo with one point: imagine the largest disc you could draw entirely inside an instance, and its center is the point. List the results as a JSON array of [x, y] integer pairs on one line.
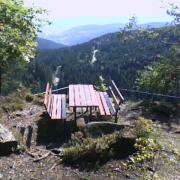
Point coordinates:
[[51, 105], [100, 106], [71, 95], [77, 96], [58, 113], [46, 95], [93, 95], [117, 91], [83, 98], [116, 102], [63, 106], [105, 106], [87, 95], [109, 103], [49, 96], [54, 107]]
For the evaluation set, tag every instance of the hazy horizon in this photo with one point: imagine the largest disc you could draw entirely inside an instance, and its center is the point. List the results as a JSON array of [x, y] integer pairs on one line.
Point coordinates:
[[66, 14]]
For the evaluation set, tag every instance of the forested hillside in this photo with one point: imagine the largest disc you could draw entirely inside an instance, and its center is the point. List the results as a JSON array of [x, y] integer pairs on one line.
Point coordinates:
[[48, 44], [119, 56], [115, 59]]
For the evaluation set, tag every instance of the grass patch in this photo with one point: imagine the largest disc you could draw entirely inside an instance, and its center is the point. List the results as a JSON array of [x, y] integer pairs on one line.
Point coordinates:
[[15, 101]]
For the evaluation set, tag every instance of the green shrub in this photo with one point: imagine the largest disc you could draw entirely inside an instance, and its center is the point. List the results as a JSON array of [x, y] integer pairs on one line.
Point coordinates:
[[89, 149], [29, 97], [144, 127]]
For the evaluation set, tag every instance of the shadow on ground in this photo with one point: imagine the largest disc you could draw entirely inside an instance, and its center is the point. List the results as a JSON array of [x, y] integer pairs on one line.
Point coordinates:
[[53, 133], [167, 114]]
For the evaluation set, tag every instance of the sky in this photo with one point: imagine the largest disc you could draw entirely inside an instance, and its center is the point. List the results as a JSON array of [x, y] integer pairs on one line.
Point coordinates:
[[65, 14]]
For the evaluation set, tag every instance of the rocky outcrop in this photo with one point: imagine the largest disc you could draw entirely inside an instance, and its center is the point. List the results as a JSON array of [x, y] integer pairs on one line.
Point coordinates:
[[7, 141]]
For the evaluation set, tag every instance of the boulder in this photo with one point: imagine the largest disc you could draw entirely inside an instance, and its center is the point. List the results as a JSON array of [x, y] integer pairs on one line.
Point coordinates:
[[97, 129], [7, 141]]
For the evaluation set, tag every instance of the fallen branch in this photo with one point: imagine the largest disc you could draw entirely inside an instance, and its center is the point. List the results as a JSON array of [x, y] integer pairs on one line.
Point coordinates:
[[53, 166], [33, 155], [43, 157]]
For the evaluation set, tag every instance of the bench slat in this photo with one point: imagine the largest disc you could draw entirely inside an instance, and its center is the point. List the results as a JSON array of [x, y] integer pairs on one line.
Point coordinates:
[[63, 106], [54, 107], [55, 103], [88, 98], [114, 98], [105, 106], [51, 106], [71, 94], [117, 92], [93, 95], [58, 107], [46, 95], [83, 98], [100, 106], [109, 103], [77, 96]]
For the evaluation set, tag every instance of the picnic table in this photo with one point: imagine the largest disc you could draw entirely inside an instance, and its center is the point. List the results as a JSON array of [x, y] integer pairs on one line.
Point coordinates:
[[82, 96]]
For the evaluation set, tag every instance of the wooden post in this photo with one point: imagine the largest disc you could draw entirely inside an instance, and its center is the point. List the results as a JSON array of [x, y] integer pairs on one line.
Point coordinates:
[[90, 114], [75, 118], [0, 80], [116, 116], [29, 136], [65, 128], [22, 131]]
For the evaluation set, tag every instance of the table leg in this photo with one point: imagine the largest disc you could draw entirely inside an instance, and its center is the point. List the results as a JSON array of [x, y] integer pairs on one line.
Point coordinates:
[[116, 116], [75, 118], [90, 114]]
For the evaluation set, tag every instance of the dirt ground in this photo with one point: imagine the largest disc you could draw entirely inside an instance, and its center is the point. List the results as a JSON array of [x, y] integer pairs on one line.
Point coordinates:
[[40, 161]]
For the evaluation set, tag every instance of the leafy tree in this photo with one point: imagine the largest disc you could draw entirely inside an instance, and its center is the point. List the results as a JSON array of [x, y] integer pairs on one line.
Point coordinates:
[[18, 30], [164, 77]]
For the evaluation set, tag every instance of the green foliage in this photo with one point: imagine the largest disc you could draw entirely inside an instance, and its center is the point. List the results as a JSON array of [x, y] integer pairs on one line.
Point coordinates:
[[164, 76], [102, 87], [19, 26], [144, 127], [18, 30], [81, 148], [146, 148]]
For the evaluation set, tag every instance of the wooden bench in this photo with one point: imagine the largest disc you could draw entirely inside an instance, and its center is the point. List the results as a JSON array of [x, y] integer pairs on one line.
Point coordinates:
[[109, 105], [55, 104]]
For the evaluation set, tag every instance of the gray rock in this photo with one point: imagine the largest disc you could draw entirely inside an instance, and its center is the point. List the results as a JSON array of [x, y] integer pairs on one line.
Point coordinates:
[[7, 141], [97, 129]]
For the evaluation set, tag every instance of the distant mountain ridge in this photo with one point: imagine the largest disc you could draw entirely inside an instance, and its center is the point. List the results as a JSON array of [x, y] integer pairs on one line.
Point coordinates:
[[81, 34], [48, 44]]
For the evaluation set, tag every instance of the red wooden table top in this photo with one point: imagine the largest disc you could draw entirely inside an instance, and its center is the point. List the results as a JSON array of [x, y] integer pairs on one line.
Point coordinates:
[[82, 96]]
